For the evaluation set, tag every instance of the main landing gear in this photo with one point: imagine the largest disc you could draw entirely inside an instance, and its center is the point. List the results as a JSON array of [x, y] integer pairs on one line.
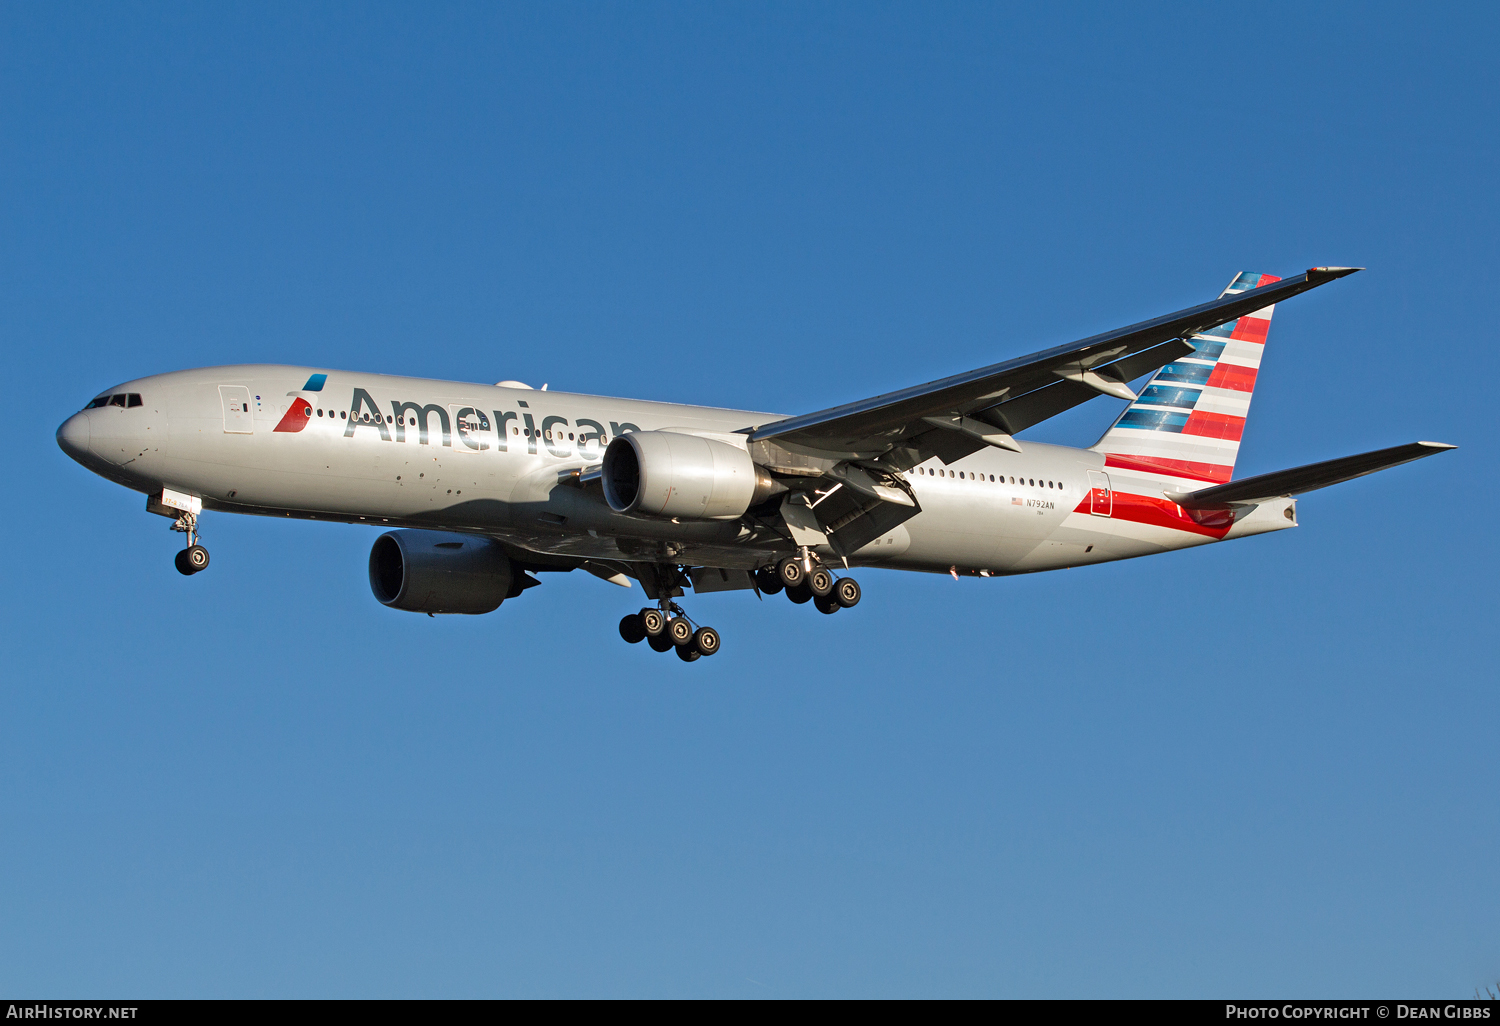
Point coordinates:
[[804, 581], [670, 629], [194, 558]]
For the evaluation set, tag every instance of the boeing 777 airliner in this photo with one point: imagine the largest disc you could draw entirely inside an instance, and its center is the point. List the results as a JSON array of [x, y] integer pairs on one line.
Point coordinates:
[[488, 485]]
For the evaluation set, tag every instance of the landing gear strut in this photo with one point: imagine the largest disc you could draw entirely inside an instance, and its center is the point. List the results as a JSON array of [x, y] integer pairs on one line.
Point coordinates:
[[669, 628], [194, 558]]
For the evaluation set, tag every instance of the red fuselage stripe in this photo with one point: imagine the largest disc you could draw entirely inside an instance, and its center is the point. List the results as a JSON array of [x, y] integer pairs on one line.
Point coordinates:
[[1143, 509]]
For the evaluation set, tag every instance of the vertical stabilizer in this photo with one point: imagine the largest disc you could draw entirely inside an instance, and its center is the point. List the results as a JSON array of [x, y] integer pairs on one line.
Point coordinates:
[[1188, 420]]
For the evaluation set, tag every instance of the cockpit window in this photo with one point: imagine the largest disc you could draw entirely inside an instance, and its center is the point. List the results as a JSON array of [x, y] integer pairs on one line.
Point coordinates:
[[129, 400]]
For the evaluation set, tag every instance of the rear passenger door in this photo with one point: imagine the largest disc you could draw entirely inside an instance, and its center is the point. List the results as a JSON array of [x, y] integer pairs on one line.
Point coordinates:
[[1101, 499]]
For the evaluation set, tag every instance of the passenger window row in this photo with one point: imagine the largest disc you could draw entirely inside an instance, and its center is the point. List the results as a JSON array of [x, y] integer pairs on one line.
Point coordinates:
[[128, 399], [960, 475], [552, 436]]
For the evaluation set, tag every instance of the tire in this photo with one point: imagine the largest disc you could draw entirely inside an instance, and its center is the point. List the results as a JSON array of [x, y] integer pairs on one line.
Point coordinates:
[[820, 581], [826, 603], [197, 558], [706, 641], [847, 592], [632, 630], [660, 642], [800, 594], [688, 654], [653, 621], [679, 631], [767, 581], [790, 572], [183, 567]]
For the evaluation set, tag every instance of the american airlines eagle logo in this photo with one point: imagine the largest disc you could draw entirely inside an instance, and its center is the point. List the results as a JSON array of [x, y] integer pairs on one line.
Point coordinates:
[[296, 417], [301, 411]]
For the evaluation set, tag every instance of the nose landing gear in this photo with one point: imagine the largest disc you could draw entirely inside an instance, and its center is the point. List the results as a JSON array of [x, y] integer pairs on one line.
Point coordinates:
[[670, 629], [194, 558]]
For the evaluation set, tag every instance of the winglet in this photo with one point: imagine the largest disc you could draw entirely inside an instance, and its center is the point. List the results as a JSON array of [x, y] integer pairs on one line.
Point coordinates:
[[1322, 274]]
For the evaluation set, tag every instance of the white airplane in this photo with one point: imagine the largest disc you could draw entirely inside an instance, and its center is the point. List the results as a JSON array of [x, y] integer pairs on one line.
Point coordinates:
[[489, 485]]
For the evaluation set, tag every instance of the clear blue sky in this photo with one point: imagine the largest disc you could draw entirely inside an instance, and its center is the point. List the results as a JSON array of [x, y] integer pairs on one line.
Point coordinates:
[[1262, 768]]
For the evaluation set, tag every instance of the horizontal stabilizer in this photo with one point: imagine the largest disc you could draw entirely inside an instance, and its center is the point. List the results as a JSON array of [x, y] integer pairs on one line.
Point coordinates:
[[1305, 479]]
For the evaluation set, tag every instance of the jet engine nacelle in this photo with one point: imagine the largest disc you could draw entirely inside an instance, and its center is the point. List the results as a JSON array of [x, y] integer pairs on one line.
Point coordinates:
[[439, 572], [670, 474]]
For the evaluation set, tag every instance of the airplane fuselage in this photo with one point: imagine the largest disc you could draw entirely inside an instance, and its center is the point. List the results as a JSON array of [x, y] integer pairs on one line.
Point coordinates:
[[505, 462]]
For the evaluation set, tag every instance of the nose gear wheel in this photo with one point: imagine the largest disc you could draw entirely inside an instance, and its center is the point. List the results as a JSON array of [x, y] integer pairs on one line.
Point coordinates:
[[194, 558]]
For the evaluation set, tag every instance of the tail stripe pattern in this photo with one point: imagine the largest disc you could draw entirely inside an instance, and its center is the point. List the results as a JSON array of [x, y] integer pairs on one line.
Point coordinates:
[[1188, 421]]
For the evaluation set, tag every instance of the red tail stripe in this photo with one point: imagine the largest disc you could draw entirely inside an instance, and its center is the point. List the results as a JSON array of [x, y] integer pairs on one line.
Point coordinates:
[[1214, 425], [1251, 329], [1232, 376], [1175, 468]]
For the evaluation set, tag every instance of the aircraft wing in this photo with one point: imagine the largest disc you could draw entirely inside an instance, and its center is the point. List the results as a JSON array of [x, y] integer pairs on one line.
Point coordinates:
[[955, 416]]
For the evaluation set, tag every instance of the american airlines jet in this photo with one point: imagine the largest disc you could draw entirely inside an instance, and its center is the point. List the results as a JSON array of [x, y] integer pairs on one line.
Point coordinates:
[[486, 486]]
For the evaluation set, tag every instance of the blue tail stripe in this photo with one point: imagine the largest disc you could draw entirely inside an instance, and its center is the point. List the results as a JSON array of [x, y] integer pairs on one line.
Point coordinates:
[[1166, 395], [1153, 420], [1187, 373]]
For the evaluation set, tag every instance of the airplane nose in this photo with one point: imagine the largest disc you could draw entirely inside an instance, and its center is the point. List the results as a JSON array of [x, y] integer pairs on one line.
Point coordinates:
[[73, 436]]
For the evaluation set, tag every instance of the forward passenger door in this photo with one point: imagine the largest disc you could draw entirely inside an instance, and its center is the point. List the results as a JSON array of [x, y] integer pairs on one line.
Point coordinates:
[[238, 420]]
